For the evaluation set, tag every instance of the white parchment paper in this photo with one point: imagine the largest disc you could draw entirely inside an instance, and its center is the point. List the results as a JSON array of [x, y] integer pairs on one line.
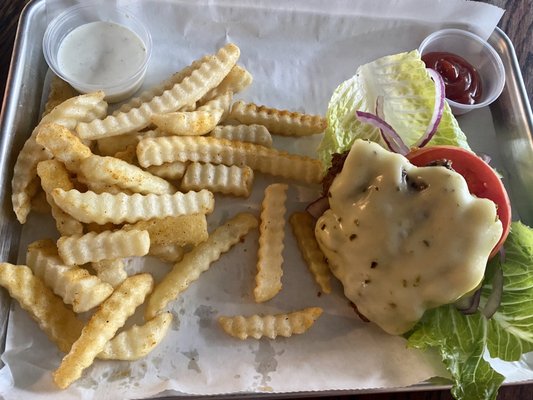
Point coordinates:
[[298, 52]]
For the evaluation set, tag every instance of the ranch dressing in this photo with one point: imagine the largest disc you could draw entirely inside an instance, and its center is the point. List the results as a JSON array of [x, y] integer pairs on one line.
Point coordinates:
[[404, 239], [101, 53]]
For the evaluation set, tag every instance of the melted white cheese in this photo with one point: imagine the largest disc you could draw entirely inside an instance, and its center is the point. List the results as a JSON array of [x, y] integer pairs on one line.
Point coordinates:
[[403, 239]]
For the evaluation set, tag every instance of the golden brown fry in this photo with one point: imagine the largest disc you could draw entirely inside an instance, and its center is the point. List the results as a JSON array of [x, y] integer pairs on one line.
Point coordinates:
[[218, 179], [74, 285], [180, 230], [192, 88], [159, 89], [114, 144], [59, 92], [68, 114], [221, 102], [113, 171], [118, 208], [156, 151], [54, 318], [129, 154], [257, 134], [171, 253], [137, 341], [110, 271], [63, 145], [271, 235], [171, 171], [278, 122], [191, 123], [102, 326], [236, 81], [94, 247], [271, 326], [303, 227], [197, 261], [53, 175]]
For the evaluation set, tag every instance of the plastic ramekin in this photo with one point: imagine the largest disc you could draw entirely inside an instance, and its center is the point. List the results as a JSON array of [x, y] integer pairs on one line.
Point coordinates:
[[478, 53], [85, 13]]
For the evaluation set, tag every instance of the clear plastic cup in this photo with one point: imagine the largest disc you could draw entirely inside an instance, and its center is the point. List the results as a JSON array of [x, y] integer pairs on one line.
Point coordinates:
[[85, 13], [479, 54]]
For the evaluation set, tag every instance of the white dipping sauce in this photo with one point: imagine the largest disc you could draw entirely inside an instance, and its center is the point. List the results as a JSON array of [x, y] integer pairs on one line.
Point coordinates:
[[101, 53]]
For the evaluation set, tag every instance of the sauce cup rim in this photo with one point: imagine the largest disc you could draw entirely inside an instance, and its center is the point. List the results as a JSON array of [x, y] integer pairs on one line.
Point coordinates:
[[110, 89], [496, 59]]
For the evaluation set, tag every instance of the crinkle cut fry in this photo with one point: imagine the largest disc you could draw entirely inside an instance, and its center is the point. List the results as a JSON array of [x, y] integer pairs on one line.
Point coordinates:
[[68, 114], [108, 245], [114, 171], [189, 123], [278, 122], [188, 91], [257, 134], [137, 341], [303, 227], [110, 271], [60, 91], [181, 230], [171, 253], [63, 145], [118, 208], [102, 326], [197, 261], [218, 178], [53, 174], [73, 284], [236, 81], [173, 170], [54, 318], [271, 326], [271, 235], [159, 89], [156, 151]]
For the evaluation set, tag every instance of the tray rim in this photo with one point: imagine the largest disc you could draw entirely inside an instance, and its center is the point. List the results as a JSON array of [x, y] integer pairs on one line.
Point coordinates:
[[7, 117]]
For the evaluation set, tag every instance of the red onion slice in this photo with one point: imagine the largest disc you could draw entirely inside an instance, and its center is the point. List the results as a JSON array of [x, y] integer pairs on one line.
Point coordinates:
[[470, 304], [393, 140], [437, 109]]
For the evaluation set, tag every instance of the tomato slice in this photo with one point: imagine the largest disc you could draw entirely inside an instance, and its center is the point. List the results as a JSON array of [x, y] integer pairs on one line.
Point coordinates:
[[481, 179]]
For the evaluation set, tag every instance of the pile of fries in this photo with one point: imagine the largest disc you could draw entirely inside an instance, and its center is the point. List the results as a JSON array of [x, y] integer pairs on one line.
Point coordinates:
[[141, 181]]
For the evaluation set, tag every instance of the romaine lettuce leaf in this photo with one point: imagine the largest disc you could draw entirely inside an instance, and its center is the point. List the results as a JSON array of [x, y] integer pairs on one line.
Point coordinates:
[[511, 327], [462, 340], [408, 99]]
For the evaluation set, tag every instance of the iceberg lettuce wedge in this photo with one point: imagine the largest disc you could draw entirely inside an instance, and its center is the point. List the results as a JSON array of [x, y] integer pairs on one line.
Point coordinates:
[[408, 100]]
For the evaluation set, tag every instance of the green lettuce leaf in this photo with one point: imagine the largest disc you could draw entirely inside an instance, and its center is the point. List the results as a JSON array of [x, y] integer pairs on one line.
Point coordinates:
[[408, 100], [511, 327], [462, 340]]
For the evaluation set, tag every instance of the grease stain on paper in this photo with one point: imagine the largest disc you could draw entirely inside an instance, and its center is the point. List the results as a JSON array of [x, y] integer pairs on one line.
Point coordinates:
[[193, 357], [88, 382], [120, 374], [265, 363], [205, 315], [176, 322]]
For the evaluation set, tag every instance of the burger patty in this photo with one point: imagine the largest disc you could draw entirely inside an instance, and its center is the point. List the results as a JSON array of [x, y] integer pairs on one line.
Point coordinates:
[[337, 162]]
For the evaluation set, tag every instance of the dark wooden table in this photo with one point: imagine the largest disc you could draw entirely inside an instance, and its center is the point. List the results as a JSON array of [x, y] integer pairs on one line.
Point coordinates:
[[517, 22]]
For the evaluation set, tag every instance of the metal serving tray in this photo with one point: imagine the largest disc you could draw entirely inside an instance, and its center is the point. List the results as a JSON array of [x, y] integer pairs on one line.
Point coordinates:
[[511, 113]]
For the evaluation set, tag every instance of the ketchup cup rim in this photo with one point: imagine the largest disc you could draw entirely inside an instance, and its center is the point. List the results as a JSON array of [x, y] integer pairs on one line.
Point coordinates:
[[493, 55]]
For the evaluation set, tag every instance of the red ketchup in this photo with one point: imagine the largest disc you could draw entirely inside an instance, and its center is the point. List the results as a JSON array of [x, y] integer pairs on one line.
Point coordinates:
[[461, 79]]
